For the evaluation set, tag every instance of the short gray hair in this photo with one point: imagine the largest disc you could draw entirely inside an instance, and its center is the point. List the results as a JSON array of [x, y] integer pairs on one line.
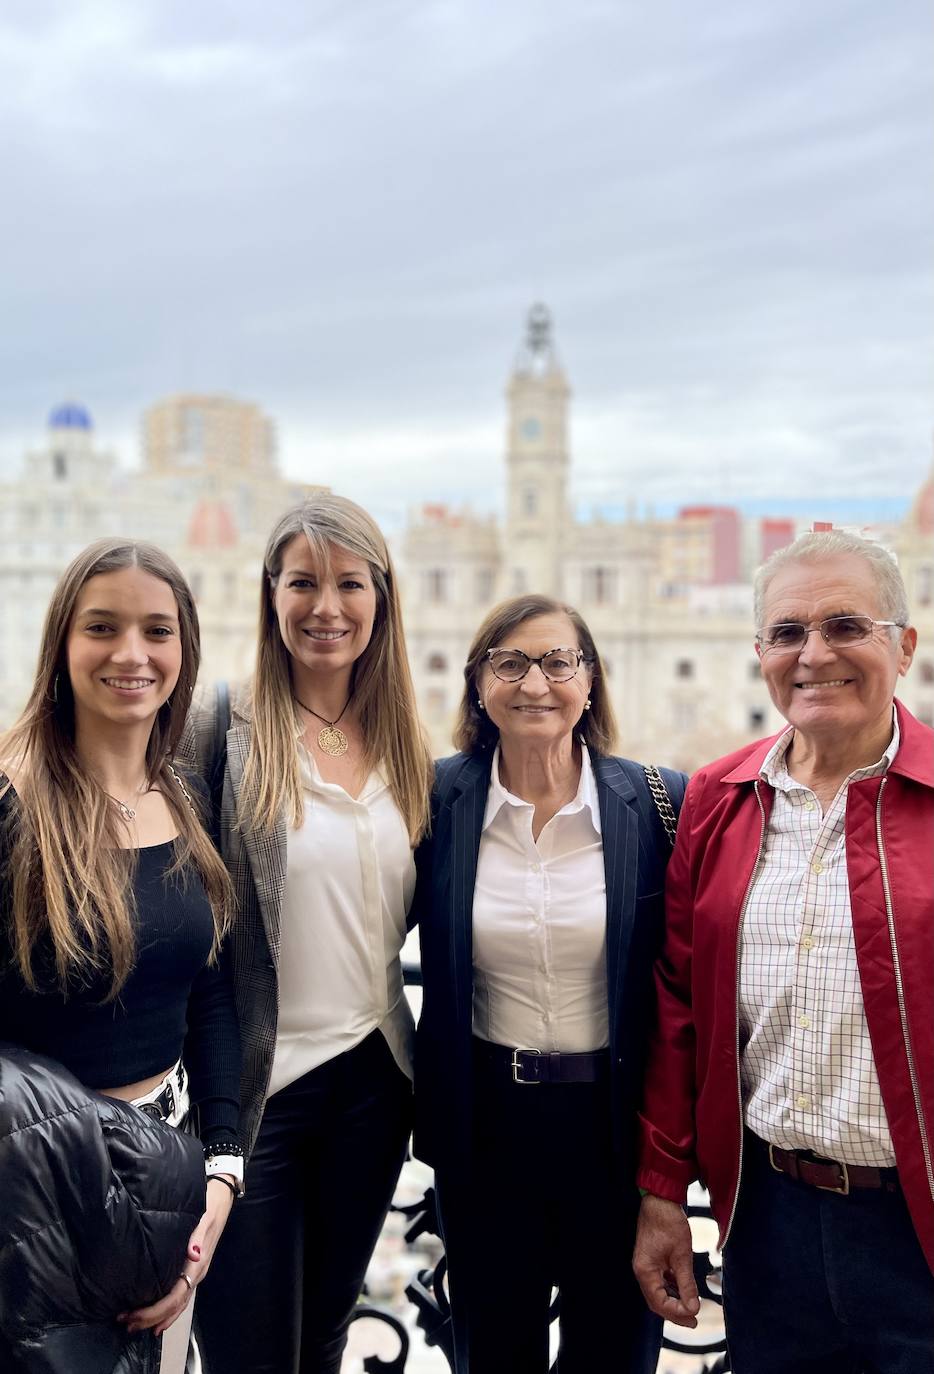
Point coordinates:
[[815, 547]]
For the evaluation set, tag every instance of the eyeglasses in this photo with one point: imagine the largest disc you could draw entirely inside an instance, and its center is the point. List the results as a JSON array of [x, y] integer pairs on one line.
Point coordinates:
[[839, 631], [558, 665]]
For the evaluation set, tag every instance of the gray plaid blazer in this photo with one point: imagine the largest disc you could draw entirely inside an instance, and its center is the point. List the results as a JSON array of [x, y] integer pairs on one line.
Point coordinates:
[[256, 863]]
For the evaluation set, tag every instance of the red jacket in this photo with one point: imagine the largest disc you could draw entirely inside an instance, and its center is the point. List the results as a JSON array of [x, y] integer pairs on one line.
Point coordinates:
[[691, 1122]]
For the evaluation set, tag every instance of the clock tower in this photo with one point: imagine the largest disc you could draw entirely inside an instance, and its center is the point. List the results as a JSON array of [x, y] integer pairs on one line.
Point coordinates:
[[536, 463]]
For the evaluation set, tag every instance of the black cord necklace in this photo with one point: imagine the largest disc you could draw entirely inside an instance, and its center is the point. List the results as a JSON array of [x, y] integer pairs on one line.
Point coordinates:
[[331, 740]]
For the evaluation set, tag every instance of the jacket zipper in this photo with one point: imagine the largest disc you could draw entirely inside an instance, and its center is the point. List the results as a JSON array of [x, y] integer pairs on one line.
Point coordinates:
[[739, 936], [902, 1011]]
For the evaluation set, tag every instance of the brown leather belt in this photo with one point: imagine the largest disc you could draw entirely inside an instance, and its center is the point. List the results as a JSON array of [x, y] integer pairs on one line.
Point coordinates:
[[830, 1175], [530, 1066]]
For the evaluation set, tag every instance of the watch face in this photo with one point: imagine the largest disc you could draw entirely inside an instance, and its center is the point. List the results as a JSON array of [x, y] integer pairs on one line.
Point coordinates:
[[531, 428]]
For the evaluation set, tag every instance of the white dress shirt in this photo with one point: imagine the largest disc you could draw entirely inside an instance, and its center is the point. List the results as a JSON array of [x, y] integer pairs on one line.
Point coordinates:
[[807, 1070], [349, 881], [539, 924]]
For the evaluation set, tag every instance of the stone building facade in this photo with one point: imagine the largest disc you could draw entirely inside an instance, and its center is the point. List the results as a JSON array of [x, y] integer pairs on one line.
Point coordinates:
[[669, 601]]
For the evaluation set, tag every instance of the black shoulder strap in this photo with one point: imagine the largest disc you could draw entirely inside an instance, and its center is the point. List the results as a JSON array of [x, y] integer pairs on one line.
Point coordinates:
[[218, 763]]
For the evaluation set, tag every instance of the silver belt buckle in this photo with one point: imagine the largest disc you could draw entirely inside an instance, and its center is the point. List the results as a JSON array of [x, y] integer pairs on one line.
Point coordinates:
[[517, 1067]]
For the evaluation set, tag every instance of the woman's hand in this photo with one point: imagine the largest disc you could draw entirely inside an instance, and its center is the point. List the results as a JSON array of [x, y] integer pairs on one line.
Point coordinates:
[[201, 1246]]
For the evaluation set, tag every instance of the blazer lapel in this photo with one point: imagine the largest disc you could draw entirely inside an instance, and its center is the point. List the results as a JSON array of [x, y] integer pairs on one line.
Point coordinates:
[[466, 821], [265, 851], [619, 820]]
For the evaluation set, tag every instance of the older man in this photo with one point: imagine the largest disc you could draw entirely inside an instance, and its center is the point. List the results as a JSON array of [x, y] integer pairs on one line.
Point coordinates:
[[793, 1060]]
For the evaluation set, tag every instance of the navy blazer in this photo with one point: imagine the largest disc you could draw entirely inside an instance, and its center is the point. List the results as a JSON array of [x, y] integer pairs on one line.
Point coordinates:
[[635, 854]]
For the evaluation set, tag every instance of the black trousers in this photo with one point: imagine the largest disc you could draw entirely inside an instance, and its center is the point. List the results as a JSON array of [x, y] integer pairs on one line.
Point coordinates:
[[545, 1208], [290, 1266], [817, 1283]]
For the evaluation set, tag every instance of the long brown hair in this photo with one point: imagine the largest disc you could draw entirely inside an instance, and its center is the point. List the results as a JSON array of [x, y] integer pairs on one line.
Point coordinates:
[[71, 879], [384, 697], [475, 733]]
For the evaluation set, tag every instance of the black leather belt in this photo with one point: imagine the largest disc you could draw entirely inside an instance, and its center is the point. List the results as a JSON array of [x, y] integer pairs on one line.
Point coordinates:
[[829, 1175], [531, 1067]]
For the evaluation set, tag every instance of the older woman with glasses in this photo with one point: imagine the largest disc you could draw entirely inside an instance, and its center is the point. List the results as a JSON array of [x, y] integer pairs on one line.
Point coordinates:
[[540, 903]]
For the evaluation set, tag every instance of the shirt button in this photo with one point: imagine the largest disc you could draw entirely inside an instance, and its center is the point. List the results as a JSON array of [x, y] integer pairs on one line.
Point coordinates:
[[808, 942], [809, 806], [802, 1101], [817, 868], [804, 1022]]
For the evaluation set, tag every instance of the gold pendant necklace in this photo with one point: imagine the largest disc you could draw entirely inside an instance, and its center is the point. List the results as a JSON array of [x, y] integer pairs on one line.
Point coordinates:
[[331, 740]]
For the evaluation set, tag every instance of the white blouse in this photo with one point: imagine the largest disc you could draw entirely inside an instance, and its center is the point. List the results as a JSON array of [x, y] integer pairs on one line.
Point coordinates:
[[539, 924], [350, 876]]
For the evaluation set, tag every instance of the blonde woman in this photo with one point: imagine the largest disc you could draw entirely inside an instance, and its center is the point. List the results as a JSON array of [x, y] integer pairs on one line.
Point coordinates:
[[112, 899], [325, 795]]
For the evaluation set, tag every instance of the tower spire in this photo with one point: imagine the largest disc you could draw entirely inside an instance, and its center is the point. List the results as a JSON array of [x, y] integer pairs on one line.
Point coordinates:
[[537, 352]]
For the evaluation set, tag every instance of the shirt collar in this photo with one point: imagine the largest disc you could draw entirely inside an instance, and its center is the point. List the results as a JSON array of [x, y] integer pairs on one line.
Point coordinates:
[[774, 768], [312, 781], [585, 798]]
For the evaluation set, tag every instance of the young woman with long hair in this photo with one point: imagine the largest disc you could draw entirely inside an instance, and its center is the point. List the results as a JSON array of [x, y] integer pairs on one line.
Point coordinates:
[[325, 796], [113, 901]]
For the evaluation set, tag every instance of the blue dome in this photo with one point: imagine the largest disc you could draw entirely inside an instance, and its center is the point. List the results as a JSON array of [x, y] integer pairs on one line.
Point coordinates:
[[70, 416]]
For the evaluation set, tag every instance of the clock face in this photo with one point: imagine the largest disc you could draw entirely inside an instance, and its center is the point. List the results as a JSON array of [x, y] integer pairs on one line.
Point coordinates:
[[531, 428]]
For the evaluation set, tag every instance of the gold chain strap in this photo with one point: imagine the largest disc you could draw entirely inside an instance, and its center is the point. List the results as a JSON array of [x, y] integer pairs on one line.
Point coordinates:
[[662, 801], [185, 793]]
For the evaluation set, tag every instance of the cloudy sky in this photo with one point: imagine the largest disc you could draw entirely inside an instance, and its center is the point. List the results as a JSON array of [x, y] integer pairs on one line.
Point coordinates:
[[342, 209]]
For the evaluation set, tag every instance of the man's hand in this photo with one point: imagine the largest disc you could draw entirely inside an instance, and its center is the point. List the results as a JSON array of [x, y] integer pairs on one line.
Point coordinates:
[[663, 1261]]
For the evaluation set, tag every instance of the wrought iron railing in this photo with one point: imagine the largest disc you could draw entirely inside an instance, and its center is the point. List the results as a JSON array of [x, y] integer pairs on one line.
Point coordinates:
[[427, 1293]]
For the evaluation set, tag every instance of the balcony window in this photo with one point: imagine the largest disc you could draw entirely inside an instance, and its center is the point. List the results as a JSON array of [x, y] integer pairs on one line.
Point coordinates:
[[485, 583], [436, 586], [437, 663], [684, 668]]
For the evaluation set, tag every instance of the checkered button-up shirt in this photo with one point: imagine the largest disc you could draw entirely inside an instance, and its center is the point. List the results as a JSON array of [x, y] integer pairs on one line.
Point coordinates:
[[808, 1076]]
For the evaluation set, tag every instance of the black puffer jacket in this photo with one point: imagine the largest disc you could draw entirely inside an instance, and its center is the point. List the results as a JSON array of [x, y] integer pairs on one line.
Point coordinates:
[[97, 1203]]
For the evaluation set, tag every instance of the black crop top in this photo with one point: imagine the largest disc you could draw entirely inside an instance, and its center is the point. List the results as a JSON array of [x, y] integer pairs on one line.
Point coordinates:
[[171, 1004]]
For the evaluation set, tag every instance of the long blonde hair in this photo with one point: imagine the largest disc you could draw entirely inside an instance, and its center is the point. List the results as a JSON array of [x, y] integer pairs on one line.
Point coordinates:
[[383, 694], [71, 879]]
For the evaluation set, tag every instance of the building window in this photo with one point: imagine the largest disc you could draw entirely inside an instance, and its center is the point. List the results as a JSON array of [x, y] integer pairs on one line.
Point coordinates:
[[684, 668], [927, 670], [437, 663], [756, 719], [600, 586], [925, 585], [436, 586], [484, 585], [529, 500], [59, 467], [755, 670]]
